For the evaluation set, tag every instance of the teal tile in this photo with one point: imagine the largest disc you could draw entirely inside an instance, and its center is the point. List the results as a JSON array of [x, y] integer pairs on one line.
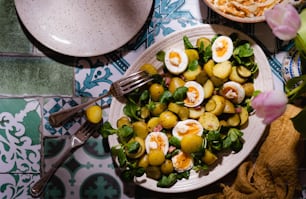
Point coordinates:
[[88, 171], [35, 76], [16, 185], [53, 105], [12, 38], [19, 136]]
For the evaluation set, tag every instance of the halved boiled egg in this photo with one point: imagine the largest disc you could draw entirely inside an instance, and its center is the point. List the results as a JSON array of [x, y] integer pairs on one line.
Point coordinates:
[[186, 127], [222, 49], [176, 61], [157, 140], [182, 161], [233, 91], [195, 94]]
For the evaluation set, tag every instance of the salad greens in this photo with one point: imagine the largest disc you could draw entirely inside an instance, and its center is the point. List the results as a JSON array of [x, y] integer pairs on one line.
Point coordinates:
[[223, 139]]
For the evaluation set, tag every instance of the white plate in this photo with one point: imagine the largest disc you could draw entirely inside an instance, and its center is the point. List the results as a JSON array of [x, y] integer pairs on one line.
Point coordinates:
[[83, 27], [252, 133]]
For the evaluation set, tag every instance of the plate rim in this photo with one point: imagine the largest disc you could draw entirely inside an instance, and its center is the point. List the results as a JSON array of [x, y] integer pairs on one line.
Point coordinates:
[[267, 76], [80, 53]]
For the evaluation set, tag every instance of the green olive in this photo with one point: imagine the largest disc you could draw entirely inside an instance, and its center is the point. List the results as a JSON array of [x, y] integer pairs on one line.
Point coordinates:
[[144, 161], [156, 157], [167, 167], [152, 123], [141, 149], [149, 68], [208, 157], [153, 172], [175, 83], [202, 77], [168, 119], [183, 113], [144, 112], [248, 89], [140, 129], [156, 90], [124, 120], [191, 143], [158, 108]]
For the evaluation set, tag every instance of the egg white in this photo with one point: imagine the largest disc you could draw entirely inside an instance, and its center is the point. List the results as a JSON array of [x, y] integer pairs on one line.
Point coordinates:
[[182, 158], [178, 63], [152, 144], [220, 43], [191, 96], [181, 128], [233, 91]]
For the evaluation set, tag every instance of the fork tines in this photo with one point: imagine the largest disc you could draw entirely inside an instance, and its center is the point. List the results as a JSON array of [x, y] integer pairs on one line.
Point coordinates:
[[85, 131], [134, 81]]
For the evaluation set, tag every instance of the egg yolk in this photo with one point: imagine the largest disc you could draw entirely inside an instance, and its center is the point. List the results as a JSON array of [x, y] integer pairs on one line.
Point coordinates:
[[230, 93], [175, 58], [191, 128], [182, 161], [159, 142], [192, 95], [221, 48]]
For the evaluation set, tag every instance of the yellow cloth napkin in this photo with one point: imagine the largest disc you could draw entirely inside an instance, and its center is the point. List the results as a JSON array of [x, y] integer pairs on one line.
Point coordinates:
[[274, 173]]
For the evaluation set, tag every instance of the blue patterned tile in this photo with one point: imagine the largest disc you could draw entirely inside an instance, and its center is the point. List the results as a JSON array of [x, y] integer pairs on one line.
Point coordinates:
[[19, 135], [85, 174], [52, 105]]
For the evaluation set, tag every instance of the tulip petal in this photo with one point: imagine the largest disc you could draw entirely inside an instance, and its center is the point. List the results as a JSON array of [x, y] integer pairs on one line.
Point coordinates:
[[284, 20], [273, 113], [270, 105]]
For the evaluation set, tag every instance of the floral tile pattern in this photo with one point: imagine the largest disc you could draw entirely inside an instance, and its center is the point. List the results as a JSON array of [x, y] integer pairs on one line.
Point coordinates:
[[16, 185], [19, 136]]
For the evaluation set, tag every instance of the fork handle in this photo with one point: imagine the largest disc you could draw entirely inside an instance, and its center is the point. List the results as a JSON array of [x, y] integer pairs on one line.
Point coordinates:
[[59, 118], [39, 186]]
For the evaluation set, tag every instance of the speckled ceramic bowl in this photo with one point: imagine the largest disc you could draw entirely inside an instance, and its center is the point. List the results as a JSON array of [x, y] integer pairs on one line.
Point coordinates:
[[81, 27]]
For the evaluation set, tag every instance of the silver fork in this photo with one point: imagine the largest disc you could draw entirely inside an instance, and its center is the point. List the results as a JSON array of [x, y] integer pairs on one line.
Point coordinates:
[[75, 141], [118, 89]]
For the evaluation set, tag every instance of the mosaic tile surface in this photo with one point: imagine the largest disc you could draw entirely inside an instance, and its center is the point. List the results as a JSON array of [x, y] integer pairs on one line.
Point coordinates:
[[52, 82], [85, 174]]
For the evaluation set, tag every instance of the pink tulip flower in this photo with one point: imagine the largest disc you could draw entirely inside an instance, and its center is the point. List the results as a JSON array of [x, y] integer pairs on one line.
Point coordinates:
[[284, 20], [270, 105]]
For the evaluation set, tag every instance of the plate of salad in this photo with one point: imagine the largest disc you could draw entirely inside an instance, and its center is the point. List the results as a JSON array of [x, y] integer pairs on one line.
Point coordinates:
[[193, 124]]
